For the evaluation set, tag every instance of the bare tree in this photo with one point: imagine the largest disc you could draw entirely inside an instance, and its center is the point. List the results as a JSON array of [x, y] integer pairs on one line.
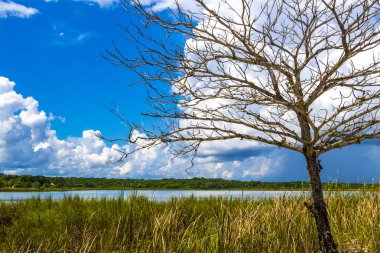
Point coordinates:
[[298, 74]]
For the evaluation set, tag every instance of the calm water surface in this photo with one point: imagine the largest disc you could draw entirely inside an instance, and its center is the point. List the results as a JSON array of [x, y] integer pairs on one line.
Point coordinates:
[[160, 195]]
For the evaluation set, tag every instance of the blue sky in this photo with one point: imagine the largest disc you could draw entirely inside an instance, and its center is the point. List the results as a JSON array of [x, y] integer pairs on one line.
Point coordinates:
[[55, 56], [55, 84]]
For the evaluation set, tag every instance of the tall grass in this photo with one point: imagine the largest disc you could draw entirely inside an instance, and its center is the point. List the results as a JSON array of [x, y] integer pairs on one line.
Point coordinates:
[[137, 224]]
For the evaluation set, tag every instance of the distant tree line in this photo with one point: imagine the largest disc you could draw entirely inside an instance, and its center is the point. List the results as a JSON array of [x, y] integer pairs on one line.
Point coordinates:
[[42, 182]]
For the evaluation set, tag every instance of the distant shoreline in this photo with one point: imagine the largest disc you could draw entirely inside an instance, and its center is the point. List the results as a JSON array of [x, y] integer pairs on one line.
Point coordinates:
[[29, 183]]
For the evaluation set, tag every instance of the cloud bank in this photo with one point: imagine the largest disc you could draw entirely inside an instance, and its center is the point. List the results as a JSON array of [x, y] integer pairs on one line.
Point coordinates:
[[28, 145], [12, 9]]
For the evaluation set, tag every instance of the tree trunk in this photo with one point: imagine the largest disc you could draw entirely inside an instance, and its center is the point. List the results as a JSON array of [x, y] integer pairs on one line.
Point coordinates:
[[318, 207]]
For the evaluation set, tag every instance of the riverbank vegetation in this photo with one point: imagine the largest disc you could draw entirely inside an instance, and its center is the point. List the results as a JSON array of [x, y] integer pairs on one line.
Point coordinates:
[[137, 224], [29, 182]]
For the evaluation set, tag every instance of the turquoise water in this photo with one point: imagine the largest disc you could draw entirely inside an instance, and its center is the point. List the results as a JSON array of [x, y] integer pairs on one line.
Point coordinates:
[[160, 195]]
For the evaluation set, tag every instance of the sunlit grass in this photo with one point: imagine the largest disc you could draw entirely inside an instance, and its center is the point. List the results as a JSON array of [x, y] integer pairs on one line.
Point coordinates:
[[137, 224]]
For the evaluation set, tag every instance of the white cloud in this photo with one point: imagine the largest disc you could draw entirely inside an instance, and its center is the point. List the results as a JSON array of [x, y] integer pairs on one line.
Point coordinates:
[[160, 5], [324, 107], [29, 145], [9, 9], [227, 174], [11, 172], [101, 3], [27, 142], [67, 36], [158, 162]]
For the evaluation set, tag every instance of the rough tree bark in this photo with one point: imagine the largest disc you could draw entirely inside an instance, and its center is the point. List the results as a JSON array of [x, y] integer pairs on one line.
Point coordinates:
[[318, 208]]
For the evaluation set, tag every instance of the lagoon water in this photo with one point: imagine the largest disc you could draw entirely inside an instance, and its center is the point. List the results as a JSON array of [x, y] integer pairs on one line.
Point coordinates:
[[160, 195]]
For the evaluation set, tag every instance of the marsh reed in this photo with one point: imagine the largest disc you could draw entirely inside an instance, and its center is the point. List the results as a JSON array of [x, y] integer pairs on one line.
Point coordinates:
[[137, 224]]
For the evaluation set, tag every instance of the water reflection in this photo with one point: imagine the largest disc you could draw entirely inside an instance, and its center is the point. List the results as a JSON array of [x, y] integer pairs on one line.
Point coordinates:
[[160, 195]]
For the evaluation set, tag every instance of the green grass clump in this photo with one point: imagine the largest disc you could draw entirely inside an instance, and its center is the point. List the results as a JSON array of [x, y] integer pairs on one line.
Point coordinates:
[[137, 224]]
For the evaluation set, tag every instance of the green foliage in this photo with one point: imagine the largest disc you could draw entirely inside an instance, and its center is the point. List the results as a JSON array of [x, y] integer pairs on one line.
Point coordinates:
[[51, 183], [137, 224]]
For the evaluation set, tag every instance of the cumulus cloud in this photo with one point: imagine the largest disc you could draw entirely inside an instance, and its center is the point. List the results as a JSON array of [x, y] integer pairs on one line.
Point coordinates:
[[9, 9], [246, 159], [28, 144], [158, 161], [230, 108]]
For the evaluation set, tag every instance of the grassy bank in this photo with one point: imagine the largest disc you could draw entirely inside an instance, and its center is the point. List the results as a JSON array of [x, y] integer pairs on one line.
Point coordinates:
[[185, 225]]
